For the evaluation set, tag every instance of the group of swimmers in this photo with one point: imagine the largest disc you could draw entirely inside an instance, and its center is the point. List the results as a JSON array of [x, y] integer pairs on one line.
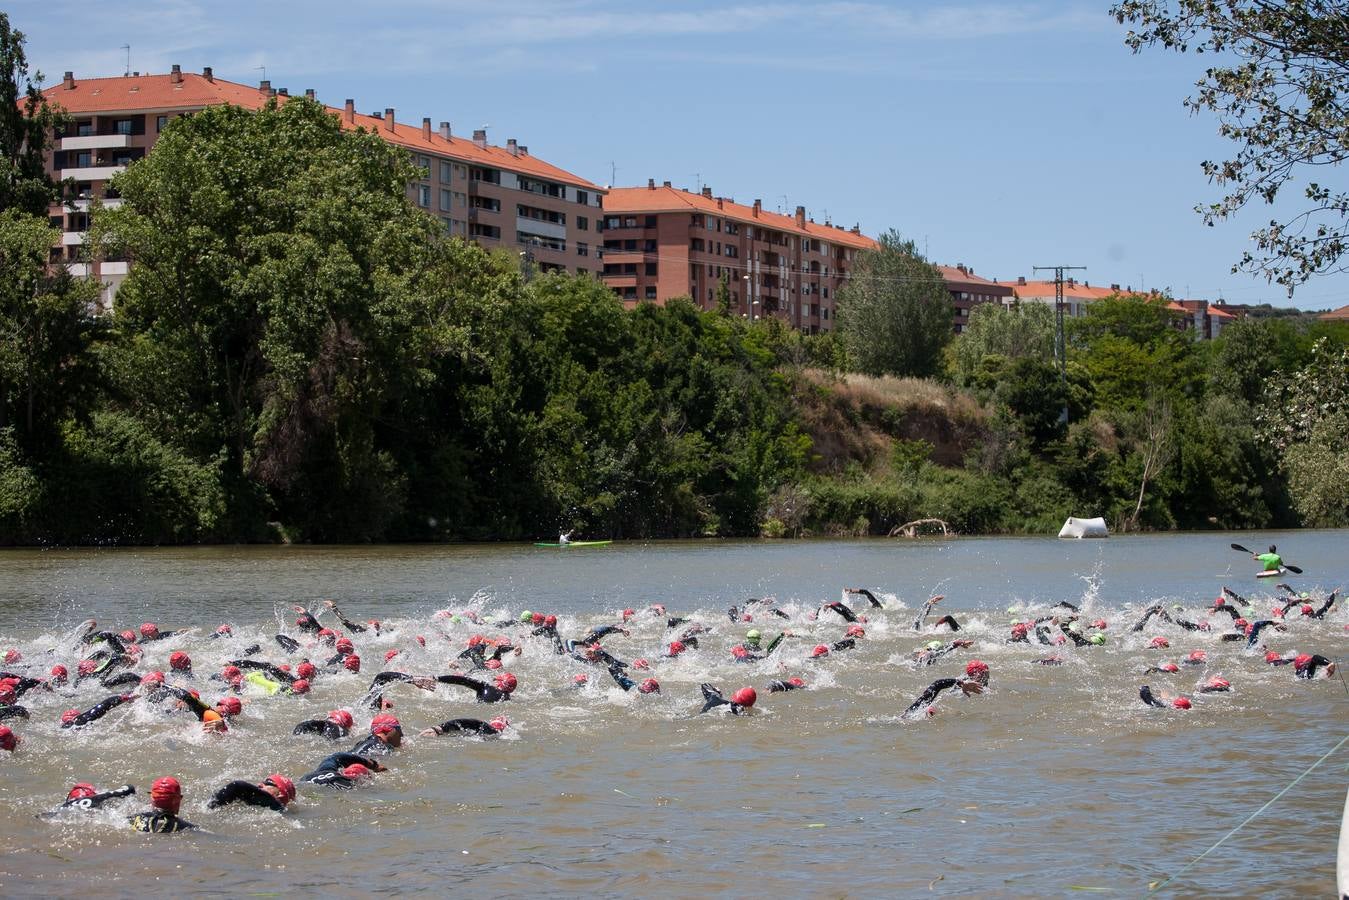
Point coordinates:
[[111, 660]]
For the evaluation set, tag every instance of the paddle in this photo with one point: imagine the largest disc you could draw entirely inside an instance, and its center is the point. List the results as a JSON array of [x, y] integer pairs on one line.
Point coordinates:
[[1294, 569]]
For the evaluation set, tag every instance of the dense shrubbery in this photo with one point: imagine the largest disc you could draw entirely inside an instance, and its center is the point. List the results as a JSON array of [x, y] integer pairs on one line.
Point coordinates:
[[300, 354]]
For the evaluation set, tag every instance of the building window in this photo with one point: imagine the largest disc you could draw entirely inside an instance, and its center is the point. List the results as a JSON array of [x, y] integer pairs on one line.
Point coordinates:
[[445, 172], [160, 122], [630, 222], [651, 268], [612, 222], [85, 129], [583, 198], [490, 232], [491, 176], [460, 200], [424, 196], [630, 293], [651, 292], [122, 126], [650, 221], [83, 159], [582, 248], [445, 199], [582, 223]]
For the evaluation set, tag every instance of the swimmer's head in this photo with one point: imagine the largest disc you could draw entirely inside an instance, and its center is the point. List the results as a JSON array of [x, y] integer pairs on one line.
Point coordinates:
[[820, 650], [300, 686], [352, 663], [180, 661], [81, 791], [1181, 703], [649, 686], [356, 772], [166, 794], [934, 645], [526, 617], [1098, 639], [752, 637], [499, 723], [341, 718], [505, 682], [149, 630], [1159, 643], [283, 789], [855, 631], [745, 697], [306, 670], [230, 706]]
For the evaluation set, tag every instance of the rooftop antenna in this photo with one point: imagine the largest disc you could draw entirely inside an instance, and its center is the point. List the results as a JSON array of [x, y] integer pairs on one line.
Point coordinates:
[[613, 173], [127, 48], [264, 71], [698, 178], [784, 204]]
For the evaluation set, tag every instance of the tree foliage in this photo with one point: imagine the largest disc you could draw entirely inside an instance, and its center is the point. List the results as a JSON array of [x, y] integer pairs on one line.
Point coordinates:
[[894, 314], [1279, 92], [27, 122], [1024, 330]]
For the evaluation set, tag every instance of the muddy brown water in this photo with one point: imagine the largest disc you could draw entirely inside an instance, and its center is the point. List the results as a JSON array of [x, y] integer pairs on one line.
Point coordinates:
[[1058, 781]]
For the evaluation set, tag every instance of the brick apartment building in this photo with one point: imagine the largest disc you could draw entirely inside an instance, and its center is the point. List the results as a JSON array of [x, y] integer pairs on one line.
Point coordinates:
[[1204, 319], [969, 290], [662, 242], [496, 196]]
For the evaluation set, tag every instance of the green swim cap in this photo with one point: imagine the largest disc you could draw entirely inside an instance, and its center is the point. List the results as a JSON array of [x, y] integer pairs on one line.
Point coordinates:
[[934, 645], [1178, 606], [752, 634], [456, 618], [1013, 610], [1097, 639], [1075, 627], [526, 616], [1304, 596]]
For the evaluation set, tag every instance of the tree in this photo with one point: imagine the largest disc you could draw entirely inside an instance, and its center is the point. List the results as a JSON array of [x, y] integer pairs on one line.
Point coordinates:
[[1022, 330], [1282, 101], [894, 314], [1130, 347], [26, 123]]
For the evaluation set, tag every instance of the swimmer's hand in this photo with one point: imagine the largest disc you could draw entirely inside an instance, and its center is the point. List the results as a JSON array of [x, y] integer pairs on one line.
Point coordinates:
[[971, 687]]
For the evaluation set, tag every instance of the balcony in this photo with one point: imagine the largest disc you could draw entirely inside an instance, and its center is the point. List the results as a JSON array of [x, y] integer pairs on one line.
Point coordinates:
[[72, 239], [93, 173], [113, 267], [108, 203], [96, 142], [540, 227]]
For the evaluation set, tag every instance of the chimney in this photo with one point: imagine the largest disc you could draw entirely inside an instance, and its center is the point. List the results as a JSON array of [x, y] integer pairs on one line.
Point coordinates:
[[426, 128], [524, 151], [480, 138], [388, 118], [757, 207], [309, 93], [1115, 288], [445, 130], [69, 81], [800, 217], [176, 76], [265, 87], [707, 192], [651, 184], [961, 268], [721, 204], [857, 228], [208, 74], [512, 147], [1021, 281], [350, 112], [284, 92], [665, 184], [1072, 282]]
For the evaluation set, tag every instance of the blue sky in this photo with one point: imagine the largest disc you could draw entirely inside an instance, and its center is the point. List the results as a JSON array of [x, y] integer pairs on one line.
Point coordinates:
[[1000, 135]]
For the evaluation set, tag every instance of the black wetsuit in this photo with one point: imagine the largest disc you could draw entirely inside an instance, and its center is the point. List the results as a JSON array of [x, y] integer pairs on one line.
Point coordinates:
[[374, 698], [244, 792], [98, 799], [712, 699], [161, 635], [777, 687], [1235, 596], [111, 638], [122, 679], [847, 614], [329, 772], [1145, 694], [466, 726], [347, 623], [13, 712], [949, 621], [922, 616], [288, 643], [749, 656], [1325, 607], [579, 652], [274, 672], [307, 622], [1229, 609], [194, 703], [1309, 669], [930, 695], [597, 634], [1159, 612], [478, 654], [325, 727], [22, 683], [1256, 628], [871, 598], [845, 644], [487, 693], [928, 657], [156, 821], [98, 711], [372, 746], [551, 632]]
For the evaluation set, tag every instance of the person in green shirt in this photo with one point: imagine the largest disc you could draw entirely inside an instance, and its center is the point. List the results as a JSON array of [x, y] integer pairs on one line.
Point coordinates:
[[1271, 560]]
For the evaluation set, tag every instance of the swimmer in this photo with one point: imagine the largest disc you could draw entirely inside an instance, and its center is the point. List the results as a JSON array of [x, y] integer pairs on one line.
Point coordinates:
[[150, 632], [86, 796], [1145, 694], [337, 726], [374, 698], [741, 701], [342, 771], [9, 741], [871, 598], [924, 702], [386, 736], [836, 606], [73, 718], [927, 608], [648, 686], [1253, 630], [501, 688], [1306, 664], [347, 623], [790, 684], [275, 792], [746, 652], [166, 797], [307, 621], [935, 650], [469, 726], [1157, 610], [949, 621]]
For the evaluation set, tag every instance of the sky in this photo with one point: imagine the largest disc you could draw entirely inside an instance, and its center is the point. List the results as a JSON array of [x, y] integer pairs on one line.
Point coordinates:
[[1000, 135]]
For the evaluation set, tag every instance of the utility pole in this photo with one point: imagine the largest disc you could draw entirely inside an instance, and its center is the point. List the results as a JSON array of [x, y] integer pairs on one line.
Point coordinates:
[[1060, 344]]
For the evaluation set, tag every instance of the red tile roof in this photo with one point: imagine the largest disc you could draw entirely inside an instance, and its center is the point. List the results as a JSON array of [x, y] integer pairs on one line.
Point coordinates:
[[1335, 315], [955, 275], [1074, 291], [669, 199], [159, 92]]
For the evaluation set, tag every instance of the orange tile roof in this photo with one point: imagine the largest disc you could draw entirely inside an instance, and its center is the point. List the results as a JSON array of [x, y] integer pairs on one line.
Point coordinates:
[[670, 199], [1075, 291], [153, 92], [1335, 314], [1220, 313], [954, 275]]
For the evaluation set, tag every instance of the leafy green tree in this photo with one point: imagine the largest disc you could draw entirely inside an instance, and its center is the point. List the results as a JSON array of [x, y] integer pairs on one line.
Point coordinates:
[[1130, 348], [1036, 395], [894, 314], [27, 122], [1279, 92], [1021, 330]]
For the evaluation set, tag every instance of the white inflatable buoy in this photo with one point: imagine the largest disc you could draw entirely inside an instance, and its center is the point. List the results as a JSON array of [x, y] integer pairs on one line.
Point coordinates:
[[1083, 528]]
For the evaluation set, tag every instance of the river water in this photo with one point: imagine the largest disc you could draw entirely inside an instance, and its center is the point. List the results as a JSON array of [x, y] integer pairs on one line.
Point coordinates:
[[1055, 781]]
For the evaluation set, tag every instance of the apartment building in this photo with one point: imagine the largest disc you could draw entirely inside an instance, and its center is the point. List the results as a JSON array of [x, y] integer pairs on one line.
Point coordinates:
[[495, 196], [1204, 320], [662, 242], [969, 290]]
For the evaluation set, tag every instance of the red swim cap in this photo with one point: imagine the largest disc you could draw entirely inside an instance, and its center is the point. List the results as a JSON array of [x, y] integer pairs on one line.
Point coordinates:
[[59, 674], [476, 640], [13, 656], [344, 645], [224, 629], [7, 695], [306, 670], [1307, 609], [1160, 643], [284, 667], [499, 723], [658, 607], [537, 619], [299, 686], [128, 636], [641, 663], [149, 629], [1099, 624], [1240, 623], [649, 686], [284, 786], [390, 654], [1302, 660], [166, 793], [69, 716], [580, 678], [8, 739], [676, 648], [739, 652], [1197, 656], [352, 663], [628, 614], [976, 667], [1181, 703], [232, 673], [86, 667], [1020, 629], [385, 724], [421, 641], [230, 706], [505, 682], [356, 771], [341, 717], [150, 678], [1271, 657], [81, 791], [327, 634], [1219, 683], [1277, 612], [820, 650], [797, 682], [1218, 602], [1169, 667], [492, 664], [180, 661], [550, 621], [745, 697], [855, 630]]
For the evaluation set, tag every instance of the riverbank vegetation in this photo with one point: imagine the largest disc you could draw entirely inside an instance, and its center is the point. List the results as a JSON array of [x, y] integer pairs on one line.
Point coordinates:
[[300, 354]]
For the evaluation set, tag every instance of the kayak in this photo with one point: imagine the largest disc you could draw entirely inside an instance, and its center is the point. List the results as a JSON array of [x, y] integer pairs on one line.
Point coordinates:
[[1274, 573], [572, 544]]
